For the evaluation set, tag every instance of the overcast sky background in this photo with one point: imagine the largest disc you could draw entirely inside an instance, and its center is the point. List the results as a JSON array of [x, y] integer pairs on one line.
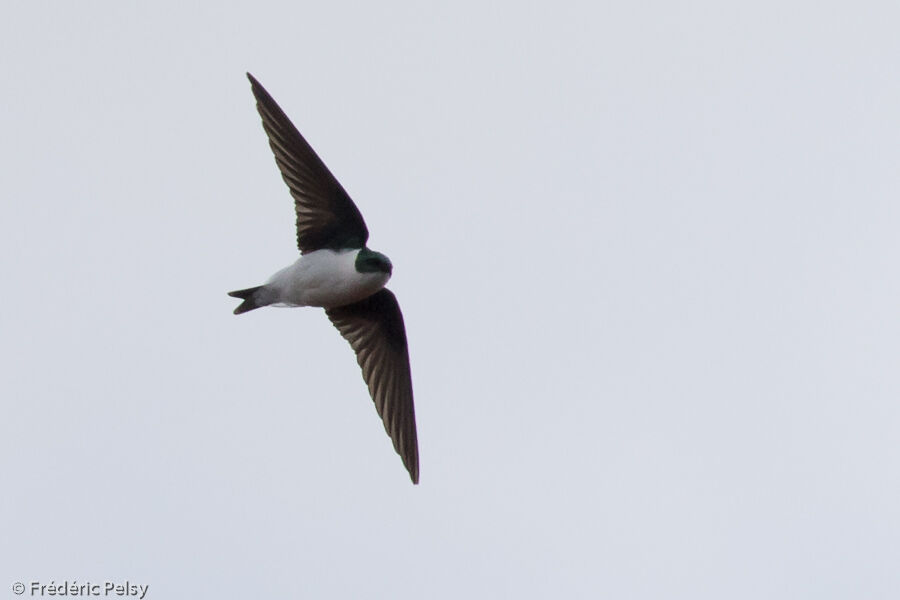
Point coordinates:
[[647, 253]]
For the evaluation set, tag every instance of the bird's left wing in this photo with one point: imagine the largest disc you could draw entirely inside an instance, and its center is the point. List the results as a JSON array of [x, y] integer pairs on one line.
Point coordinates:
[[374, 328]]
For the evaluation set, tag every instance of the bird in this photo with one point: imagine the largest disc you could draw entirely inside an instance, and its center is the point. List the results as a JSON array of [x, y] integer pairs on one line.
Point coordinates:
[[338, 272]]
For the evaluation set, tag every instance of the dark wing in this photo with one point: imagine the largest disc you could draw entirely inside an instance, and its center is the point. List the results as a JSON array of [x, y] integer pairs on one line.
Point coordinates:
[[326, 216], [374, 328]]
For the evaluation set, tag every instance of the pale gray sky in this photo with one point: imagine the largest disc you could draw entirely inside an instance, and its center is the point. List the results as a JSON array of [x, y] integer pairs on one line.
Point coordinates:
[[647, 253]]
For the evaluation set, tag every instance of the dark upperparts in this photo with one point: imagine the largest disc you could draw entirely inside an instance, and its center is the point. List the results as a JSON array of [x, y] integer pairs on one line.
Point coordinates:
[[369, 261]]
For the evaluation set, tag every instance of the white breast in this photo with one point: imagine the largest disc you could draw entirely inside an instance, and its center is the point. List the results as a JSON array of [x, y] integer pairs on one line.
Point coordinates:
[[324, 278]]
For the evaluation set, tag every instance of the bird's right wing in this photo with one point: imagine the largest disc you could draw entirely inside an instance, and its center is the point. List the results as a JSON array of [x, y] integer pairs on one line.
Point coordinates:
[[374, 328], [326, 216]]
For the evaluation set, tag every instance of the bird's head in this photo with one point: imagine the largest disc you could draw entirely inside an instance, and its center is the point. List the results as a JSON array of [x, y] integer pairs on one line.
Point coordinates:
[[369, 261]]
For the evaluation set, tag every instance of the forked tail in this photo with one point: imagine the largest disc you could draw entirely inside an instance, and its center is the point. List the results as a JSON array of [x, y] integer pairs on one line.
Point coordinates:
[[250, 299]]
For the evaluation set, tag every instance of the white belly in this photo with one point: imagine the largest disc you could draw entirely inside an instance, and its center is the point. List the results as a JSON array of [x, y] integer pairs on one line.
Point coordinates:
[[324, 278]]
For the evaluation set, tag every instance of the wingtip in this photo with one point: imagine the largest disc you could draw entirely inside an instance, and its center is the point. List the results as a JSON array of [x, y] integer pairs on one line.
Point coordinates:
[[259, 92]]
